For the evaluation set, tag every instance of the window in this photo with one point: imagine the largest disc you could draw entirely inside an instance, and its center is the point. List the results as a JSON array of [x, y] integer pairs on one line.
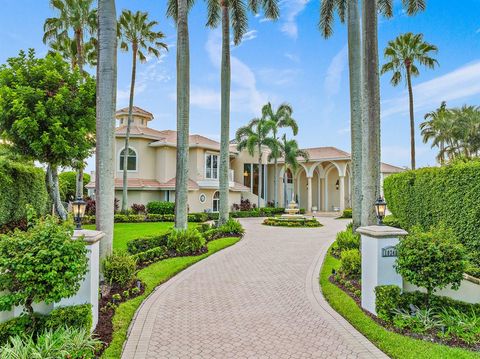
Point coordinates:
[[131, 160], [289, 176], [216, 201], [247, 175], [211, 166]]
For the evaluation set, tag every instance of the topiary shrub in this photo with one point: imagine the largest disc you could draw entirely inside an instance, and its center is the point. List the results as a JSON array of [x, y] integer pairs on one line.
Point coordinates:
[[187, 241], [432, 259], [350, 263], [231, 227], [151, 255], [144, 244], [387, 299], [119, 269], [158, 207]]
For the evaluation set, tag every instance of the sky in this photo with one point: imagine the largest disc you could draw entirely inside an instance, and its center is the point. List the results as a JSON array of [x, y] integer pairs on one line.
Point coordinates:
[[286, 61]]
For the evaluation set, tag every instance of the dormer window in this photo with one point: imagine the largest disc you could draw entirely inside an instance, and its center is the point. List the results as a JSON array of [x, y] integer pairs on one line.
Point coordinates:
[[131, 160], [211, 166]]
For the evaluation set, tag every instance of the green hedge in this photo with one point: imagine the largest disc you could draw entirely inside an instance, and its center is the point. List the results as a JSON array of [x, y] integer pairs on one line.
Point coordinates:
[[277, 222], [20, 185], [158, 207], [450, 194], [139, 245]]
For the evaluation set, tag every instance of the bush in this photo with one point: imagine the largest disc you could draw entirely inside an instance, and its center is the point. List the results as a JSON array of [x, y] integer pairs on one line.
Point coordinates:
[[151, 255], [281, 222], [43, 264], [144, 244], [231, 227], [351, 263], [20, 185], [128, 218], [67, 182], [197, 217], [391, 221], [160, 218], [347, 213], [138, 208], [432, 259], [119, 269], [245, 205], [347, 240], [158, 207], [185, 242], [387, 300], [211, 234]]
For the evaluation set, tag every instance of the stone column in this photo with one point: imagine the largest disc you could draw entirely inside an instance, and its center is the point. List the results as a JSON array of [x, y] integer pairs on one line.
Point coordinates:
[[378, 258], [342, 192], [309, 194]]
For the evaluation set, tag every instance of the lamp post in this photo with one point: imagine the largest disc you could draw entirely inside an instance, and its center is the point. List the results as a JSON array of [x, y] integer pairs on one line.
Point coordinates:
[[78, 208], [380, 209]]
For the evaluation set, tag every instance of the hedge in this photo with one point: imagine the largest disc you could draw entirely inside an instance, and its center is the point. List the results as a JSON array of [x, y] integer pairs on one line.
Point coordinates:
[[139, 245], [428, 196], [20, 185], [158, 207]]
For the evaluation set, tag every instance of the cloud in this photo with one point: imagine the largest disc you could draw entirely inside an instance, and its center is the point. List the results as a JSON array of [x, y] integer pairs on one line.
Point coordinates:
[[455, 85], [279, 77], [291, 9], [249, 35], [292, 57], [335, 71]]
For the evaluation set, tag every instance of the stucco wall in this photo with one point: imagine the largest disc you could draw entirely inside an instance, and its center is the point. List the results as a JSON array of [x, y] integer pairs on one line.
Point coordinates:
[[146, 159], [468, 292], [141, 197]]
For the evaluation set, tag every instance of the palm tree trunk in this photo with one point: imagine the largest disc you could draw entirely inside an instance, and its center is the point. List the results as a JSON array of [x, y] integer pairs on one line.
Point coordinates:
[[106, 103], [225, 117], [412, 119], [260, 179], [355, 69], [183, 108], [54, 189], [285, 200], [79, 164], [370, 114], [127, 134], [275, 183]]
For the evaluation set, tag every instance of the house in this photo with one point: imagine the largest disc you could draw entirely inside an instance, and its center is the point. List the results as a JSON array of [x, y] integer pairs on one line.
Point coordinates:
[[321, 184]]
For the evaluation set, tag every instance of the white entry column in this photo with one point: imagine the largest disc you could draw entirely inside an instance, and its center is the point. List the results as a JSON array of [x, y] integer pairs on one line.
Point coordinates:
[[309, 195], [342, 193]]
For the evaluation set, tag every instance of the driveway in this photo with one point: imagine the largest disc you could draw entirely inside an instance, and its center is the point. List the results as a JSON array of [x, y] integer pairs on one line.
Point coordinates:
[[257, 299]]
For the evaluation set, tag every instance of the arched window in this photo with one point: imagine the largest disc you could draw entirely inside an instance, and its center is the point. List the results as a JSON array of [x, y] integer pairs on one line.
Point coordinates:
[[131, 160], [216, 201], [289, 176]]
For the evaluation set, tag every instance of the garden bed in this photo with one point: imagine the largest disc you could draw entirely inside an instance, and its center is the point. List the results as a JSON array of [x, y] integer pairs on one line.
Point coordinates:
[[291, 222]]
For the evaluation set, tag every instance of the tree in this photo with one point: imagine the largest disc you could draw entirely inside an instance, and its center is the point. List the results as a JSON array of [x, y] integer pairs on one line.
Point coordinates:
[[403, 54], [67, 184], [281, 118], [42, 264], [79, 17], [253, 137], [51, 118], [136, 32], [291, 154], [350, 7], [106, 103], [437, 127], [178, 10], [234, 11]]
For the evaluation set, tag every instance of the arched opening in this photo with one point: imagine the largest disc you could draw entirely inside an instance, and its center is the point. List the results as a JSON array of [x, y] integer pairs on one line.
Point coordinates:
[[216, 201], [131, 159], [288, 187]]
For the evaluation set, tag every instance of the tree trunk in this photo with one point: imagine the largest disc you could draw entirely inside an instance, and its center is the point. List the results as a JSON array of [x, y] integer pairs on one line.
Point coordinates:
[[183, 108], [79, 164], [106, 103], [412, 118], [355, 69], [79, 180], [275, 183], [285, 199], [127, 134], [370, 114], [260, 177], [225, 117], [54, 188]]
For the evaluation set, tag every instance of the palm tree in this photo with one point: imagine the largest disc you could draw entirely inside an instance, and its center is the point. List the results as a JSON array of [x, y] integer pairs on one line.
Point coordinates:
[[234, 11], [281, 118], [437, 127], [67, 48], [178, 10], [253, 137], [135, 31], [106, 104], [403, 54]]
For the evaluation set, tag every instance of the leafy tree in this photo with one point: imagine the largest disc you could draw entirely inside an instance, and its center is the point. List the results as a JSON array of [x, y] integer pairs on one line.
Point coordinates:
[[136, 32], [67, 184], [403, 54], [43, 264], [234, 12], [47, 113]]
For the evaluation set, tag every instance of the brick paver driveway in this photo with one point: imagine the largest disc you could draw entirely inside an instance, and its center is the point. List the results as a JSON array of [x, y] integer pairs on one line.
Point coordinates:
[[257, 299]]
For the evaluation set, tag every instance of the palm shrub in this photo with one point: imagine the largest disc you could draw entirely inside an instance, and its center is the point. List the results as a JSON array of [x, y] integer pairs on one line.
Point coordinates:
[[119, 269], [185, 241]]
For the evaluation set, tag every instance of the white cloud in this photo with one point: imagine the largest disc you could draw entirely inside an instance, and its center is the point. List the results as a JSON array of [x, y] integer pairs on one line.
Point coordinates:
[[292, 57], [455, 85], [291, 9], [279, 77], [335, 71], [249, 35]]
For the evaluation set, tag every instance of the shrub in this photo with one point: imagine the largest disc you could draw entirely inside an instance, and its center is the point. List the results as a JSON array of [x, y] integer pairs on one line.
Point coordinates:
[[211, 234], [160, 218], [43, 264], [280, 222], [138, 208], [419, 321], [347, 213], [197, 217], [157, 207], [184, 242], [67, 182], [128, 218], [465, 326], [144, 244], [151, 255], [347, 240], [391, 221], [387, 299], [351, 263], [432, 259], [119, 269], [231, 227], [245, 205]]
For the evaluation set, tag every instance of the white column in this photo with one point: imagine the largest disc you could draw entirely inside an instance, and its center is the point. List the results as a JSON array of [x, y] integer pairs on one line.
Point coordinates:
[[309, 194], [319, 197], [325, 195], [342, 193]]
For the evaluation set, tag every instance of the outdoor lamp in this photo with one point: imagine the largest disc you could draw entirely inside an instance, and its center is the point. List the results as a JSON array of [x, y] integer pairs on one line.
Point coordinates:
[[78, 208], [337, 185], [380, 209]]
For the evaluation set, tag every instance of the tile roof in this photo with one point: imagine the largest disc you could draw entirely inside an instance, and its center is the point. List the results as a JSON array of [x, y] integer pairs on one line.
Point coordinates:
[[141, 183], [136, 111], [139, 131], [386, 168]]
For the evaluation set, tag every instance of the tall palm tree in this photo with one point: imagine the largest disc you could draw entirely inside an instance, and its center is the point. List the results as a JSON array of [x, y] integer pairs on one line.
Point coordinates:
[[79, 17], [67, 48], [106, 104], [403, 54], [437, 127], [280, 118], [234, 11], [178, 10], [136, 32], [253, 137]]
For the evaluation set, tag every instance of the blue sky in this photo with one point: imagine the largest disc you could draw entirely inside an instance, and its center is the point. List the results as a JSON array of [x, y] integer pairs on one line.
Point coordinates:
[[287, 60]]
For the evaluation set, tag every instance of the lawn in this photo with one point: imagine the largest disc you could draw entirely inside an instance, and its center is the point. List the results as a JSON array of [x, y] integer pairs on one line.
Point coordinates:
[[125, 232], [393, 344], [152, 276]]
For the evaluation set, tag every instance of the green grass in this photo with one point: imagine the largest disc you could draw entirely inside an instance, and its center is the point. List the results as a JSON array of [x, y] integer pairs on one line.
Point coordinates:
[[125, 232], [393, 344], [152, 276]]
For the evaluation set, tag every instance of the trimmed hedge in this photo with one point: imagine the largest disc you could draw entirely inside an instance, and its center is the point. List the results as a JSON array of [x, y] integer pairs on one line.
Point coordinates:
[[20, 185], [151, 255], [447, 194], [277, 222], [158, 207], [139, 245]]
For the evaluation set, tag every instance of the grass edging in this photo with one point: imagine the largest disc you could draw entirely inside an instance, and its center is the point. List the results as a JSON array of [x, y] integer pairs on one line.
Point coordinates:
[[152, 276], [393, 344]]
